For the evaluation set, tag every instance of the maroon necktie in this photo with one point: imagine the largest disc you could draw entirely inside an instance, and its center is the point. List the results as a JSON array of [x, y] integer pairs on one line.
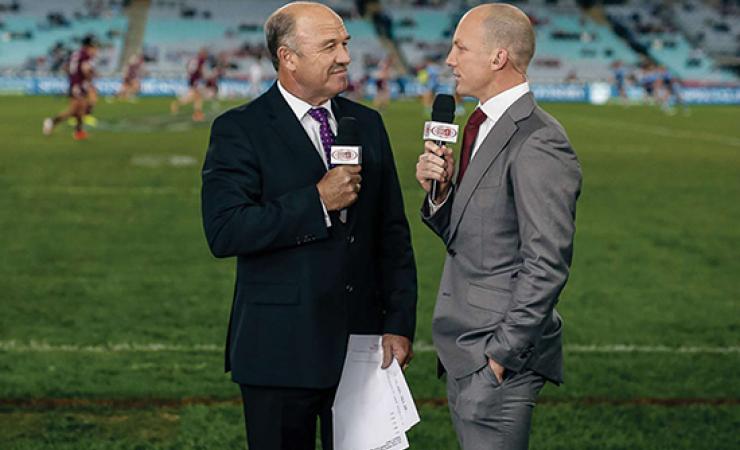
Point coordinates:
[[469, 135]]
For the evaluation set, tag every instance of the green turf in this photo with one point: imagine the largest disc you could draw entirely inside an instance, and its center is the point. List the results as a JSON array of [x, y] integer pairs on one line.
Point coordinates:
[[221, 426], [102, 246]]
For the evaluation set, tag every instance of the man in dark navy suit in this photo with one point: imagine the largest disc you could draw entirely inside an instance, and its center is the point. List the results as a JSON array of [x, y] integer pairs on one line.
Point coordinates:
[[322, 252]]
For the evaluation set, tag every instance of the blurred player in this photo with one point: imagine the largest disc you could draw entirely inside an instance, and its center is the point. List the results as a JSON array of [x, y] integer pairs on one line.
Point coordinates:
[[667, 92], [429, 79], [648, 81], [131, 84], [382, 84], [619, 73], [213, 78], [81, 73], [194, 95]]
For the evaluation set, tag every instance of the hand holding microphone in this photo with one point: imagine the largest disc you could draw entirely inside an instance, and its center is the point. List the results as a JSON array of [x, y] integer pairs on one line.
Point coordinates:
[[435, 170], [436, 165], [340, 186]]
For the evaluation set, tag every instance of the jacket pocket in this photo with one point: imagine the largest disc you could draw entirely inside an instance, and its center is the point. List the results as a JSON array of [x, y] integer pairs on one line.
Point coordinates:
[[271, 294], [489, 298]]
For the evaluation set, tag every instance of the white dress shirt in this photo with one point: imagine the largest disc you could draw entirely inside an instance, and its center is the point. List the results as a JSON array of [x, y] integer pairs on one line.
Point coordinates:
[[493, 108], [300, 108]]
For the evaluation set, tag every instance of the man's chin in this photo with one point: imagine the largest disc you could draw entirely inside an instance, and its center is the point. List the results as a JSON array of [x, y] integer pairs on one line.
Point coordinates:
[[340, 84], [460, 89]]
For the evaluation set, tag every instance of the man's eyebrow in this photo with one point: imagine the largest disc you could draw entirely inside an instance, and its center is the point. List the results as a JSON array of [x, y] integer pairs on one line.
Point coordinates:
[[331, 41]]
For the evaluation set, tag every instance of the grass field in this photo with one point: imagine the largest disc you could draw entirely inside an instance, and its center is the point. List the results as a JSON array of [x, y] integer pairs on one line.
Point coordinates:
[[113, 313]]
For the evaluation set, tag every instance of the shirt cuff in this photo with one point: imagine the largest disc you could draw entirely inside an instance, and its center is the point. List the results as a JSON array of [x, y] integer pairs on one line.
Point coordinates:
[[327, 219], [434, 208]]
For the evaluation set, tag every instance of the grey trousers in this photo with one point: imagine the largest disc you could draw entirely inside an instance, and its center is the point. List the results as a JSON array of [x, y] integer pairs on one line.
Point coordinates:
[[488, 415]]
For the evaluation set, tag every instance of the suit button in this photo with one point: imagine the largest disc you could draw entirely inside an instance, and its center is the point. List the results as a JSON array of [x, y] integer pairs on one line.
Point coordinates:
[[351, 239], [349, 288], [451, 252], [526, 353]]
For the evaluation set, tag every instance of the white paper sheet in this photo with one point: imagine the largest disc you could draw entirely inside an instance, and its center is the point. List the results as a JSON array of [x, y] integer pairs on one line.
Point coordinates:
[[373, 407]]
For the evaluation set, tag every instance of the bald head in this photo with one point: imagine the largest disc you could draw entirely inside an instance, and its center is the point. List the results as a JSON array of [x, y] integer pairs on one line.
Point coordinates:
[[283, 25], [506, 26]]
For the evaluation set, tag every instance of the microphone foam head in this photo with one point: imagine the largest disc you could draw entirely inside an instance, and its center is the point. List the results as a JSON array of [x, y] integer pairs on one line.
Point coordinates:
[[347, 132], [443, 109]]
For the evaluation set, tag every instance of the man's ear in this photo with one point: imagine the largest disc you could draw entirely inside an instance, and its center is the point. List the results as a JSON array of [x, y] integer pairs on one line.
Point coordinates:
[[499, 57], [285, 56]]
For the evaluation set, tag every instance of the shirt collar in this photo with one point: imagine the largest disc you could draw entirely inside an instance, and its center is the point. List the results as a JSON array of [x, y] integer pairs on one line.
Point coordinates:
[[300, 107], [496, 106]]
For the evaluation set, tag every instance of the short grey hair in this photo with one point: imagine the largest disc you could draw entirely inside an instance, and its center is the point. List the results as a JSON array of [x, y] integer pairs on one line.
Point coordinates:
[[279, 32]]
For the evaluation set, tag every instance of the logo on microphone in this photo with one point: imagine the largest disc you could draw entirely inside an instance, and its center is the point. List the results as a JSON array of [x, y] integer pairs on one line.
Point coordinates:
[[440, 131], [346, 154], [444, 132]]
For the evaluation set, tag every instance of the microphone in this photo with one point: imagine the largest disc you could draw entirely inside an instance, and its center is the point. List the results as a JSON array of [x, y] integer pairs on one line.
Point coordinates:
[[346, 148], [440, 129]]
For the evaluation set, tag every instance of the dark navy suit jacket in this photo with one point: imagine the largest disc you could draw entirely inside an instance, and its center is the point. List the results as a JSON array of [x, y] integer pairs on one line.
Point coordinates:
[[303, 287]]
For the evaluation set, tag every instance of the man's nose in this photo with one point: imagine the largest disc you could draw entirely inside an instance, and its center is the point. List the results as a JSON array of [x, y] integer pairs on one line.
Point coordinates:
[[343, 57], [450, 61]]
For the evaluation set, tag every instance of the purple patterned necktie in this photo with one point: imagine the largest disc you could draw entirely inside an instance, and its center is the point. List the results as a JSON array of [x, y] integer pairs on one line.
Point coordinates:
[[321, 115]]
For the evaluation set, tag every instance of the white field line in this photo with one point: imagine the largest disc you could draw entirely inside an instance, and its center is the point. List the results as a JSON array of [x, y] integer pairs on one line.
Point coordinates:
[[419, 347], [625, 348], [662, 131], [123, 347]]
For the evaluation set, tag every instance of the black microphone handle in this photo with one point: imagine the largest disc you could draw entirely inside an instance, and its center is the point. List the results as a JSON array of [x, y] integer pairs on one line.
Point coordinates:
[[435, 184]]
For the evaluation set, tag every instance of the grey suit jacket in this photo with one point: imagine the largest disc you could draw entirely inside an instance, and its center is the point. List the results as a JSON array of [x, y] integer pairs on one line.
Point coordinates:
[[508, 229]]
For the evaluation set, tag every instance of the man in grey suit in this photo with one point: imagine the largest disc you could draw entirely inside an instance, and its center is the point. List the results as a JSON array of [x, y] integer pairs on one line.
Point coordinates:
[[507, 222]]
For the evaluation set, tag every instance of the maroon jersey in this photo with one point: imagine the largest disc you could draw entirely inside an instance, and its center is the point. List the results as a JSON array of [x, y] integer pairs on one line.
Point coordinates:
[[195, 70], [79, 81]]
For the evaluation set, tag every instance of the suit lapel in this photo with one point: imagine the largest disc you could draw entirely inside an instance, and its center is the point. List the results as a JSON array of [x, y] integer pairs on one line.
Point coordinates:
[[336, 110], [489, 150], [287, 127]]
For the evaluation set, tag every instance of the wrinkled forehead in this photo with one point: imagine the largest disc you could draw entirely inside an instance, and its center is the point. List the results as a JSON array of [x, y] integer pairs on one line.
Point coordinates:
[[321, 27]]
